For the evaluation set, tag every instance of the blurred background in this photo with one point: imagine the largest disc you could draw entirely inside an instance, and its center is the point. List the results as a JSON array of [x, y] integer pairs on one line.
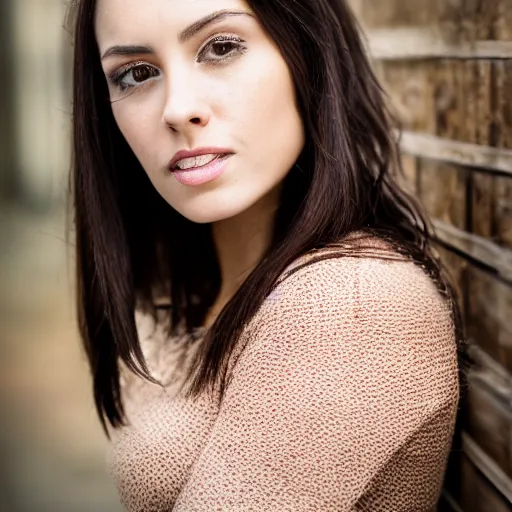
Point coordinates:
[[447, 67], [51, 445]]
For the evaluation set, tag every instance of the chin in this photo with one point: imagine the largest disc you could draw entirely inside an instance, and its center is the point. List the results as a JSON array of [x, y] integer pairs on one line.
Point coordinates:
[[204, 212]]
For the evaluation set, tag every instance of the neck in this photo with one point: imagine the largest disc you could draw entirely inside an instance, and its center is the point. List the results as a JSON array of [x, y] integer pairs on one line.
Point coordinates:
[[241, 243]]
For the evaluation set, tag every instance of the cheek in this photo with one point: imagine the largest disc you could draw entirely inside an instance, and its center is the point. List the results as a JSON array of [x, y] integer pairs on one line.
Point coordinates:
[[268, 114]]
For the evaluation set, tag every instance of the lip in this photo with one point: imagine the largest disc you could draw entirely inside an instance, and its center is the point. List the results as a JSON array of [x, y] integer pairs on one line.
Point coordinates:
[[190, 153], [204, 174]]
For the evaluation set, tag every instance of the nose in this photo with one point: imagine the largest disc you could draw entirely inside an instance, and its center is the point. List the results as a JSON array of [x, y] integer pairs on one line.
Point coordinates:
[[184, 108]]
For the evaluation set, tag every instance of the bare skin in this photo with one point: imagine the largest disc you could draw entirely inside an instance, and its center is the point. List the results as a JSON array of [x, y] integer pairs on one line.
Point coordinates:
[[241, 242]]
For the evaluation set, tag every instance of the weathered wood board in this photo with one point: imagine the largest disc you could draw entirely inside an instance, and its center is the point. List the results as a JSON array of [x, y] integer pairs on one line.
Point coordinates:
[[454, 104]]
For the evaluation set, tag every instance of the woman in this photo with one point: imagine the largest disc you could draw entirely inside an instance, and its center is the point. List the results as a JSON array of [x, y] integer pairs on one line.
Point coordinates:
[[266, 325]]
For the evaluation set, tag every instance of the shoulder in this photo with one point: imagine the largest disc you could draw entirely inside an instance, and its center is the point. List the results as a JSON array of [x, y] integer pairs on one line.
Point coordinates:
[[376, 278], [384, 309], [380, 327]]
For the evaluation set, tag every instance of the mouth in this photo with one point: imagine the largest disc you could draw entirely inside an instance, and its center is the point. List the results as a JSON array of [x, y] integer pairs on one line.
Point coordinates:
[[198, 162], [201, 169]]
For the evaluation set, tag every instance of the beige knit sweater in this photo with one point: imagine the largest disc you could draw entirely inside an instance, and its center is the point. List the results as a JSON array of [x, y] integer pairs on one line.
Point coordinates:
[[343, 399]]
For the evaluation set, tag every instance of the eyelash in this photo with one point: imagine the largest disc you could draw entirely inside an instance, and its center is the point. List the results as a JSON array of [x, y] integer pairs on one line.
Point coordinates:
[[117, 76]]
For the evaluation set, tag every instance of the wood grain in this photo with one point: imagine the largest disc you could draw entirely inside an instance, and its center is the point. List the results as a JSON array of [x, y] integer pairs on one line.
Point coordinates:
[[483, 204], [489, 425], [477, 493], [502, 88], [503, 211], [502, 26], [447, 67], [442, 190], [455, 268], [488, 317]]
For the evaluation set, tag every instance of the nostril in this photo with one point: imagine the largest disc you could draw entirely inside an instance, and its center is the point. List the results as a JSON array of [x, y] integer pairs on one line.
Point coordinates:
[[195, 120]]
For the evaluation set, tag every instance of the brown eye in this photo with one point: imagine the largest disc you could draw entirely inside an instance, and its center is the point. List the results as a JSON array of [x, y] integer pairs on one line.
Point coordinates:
[[143, 73], [134, 75], [222, 49]]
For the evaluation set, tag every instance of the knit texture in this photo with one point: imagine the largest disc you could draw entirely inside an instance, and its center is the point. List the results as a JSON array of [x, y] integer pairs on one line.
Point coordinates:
[[344, 398]]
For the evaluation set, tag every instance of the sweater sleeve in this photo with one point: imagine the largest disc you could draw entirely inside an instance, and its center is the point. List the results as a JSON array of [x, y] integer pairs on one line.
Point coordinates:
[[348, 380]]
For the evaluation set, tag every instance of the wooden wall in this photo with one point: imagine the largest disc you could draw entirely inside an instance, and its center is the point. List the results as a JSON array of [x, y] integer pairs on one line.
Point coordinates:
[[447, 67]]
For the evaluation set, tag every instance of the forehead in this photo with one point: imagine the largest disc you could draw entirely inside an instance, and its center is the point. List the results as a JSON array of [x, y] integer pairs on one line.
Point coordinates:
[[138, 19]]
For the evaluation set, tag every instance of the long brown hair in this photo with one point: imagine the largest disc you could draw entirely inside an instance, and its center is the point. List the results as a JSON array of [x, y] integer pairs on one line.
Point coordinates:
[[345, 180]]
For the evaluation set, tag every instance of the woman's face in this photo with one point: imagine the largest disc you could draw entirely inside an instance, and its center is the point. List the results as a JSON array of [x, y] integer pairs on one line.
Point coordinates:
[[200, 75]]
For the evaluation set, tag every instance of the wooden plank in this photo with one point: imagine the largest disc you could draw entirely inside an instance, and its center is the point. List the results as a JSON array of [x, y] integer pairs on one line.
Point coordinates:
[[501, 199], [448, 96], [473, 100], [482, 202], [477, 18], [455, 107], [489, 468], [395, 12], [442, 189], [450, 99], [428, 97], [503, 105], [489, 425], [415, 43], [503, 211], [468, 100], [467, 20], [478, 494], [502, 26], [491, 208], [478, 248], [483, 73], [456, 269], [462, 153], [489, 309], [481, 323], [491, 374], [411, 94]]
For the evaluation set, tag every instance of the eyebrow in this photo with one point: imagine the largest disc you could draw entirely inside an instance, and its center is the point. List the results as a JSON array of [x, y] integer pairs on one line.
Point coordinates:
[[189, 32]]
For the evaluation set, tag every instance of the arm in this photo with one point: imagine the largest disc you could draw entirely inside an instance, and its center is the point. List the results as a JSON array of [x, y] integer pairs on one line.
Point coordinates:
[[351, 358]]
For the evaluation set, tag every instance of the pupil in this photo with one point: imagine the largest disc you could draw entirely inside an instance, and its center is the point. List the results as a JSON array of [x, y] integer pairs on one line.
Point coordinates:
[[140, 74], [223, 48]]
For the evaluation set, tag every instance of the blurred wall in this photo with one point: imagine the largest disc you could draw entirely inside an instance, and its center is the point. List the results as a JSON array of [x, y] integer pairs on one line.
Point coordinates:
[[6, 111], [40, 101], [52, 450]]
